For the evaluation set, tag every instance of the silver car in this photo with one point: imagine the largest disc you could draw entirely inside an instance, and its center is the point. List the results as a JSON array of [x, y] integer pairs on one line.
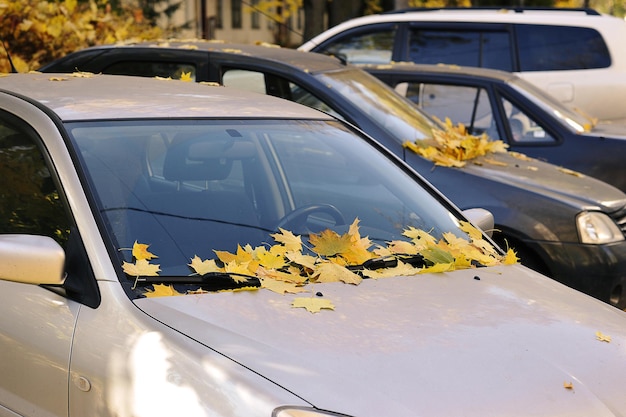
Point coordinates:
[[171, 248]]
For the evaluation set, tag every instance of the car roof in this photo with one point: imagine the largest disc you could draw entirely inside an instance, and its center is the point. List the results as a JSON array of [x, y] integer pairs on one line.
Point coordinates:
[[477, 72], [556, 16], [303, 61], [541, 16], [84, 96]]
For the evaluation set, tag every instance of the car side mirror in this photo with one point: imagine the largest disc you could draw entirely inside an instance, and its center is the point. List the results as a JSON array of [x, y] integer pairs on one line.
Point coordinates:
[[481, 218], [30, 259]]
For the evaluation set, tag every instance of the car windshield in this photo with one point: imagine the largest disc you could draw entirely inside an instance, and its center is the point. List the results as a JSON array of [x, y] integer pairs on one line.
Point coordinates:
[[193, 187], [570, 118], [389, 110]]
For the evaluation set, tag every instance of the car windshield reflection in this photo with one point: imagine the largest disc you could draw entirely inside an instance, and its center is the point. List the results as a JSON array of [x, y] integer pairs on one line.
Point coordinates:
[[389, 110]]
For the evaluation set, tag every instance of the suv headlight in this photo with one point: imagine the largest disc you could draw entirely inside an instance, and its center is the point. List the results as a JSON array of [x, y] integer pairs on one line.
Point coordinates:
[[597, 228]]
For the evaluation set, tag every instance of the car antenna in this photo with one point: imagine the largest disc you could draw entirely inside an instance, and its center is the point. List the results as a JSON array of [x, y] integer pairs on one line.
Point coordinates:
[[13, 69]]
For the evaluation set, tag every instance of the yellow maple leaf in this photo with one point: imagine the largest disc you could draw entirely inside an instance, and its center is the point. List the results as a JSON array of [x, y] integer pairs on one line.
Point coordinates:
[[472, 231], [202, 267], [419, 236], [568, 385], [140, 251], [186, 76], [242, 256], [237, 268], [602, 337], [292, 276], [398, 247], [282, 287], [331, 272], [329, 243], [510, 258], [401, 269], [299, 258], [437, 268], [141, 267], [288, 239], [313, 305], [271, 260], [161, 290]]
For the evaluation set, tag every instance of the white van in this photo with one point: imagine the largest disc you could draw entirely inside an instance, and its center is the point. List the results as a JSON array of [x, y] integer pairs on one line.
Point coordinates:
[[575, 54]]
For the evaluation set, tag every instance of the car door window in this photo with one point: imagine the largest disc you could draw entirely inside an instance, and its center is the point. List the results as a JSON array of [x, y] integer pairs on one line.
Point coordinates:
[[165, 69], [554, 48], [264, 83], [29, 200], [460, 104], [490, 49], [522, 127], [373, 45]]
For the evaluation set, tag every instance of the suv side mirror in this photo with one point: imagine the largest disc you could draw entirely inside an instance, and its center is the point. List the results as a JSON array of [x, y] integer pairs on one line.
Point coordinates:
[[481, 218], [30, 259]]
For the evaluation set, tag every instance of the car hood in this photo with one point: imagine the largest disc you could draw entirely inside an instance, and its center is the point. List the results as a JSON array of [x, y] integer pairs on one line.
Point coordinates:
[[552, 181], [490, 341], [615, 129]]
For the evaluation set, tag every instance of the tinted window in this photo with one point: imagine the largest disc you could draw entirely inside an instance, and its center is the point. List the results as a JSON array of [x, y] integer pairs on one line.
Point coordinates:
[[29, 200], [467, 105], [373, 46], [523, 127], [552, 48], [152, 69], [475, 49]]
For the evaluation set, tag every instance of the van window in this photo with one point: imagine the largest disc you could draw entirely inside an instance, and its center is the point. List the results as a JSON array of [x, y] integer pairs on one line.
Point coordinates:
[[489, 49], [553, 48], [371, 46]]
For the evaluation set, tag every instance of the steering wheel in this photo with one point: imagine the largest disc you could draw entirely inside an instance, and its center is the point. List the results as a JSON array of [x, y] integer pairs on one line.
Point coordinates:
[[297, 218]]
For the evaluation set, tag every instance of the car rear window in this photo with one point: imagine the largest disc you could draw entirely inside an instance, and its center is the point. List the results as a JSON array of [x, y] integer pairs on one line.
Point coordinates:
[[554, 48]]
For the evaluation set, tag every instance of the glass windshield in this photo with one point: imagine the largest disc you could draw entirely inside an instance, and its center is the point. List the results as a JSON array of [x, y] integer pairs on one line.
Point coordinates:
[[190, 188], [575, 121], [385, 107]]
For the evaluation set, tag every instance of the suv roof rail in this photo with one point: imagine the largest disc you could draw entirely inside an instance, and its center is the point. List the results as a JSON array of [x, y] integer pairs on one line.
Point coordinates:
[[516, 9]]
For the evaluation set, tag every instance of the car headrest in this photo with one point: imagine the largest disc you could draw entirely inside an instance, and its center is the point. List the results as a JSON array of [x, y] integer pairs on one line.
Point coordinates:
[[204, 158]]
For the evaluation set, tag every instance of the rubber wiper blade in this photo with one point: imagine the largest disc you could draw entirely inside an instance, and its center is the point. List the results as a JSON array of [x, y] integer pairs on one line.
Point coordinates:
[[211, 281], [389, 262]]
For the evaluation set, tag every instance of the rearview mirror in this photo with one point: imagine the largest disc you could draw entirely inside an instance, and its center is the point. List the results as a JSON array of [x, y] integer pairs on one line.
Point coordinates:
[[30, 259]]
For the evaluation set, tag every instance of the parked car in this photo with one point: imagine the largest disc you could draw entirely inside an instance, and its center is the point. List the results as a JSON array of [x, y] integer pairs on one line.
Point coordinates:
[[569, 227], [574, 54], [510, 109], [114, 188]]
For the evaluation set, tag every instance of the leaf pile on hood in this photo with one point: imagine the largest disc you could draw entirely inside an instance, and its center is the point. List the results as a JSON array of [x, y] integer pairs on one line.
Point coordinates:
[[453, 146], [289, 265]]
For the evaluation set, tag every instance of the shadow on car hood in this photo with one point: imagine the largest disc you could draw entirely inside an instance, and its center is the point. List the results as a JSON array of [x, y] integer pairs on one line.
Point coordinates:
[[557, 182], [490, 341]]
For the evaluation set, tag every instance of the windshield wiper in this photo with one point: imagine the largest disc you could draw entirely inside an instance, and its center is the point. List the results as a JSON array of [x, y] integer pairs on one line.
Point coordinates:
[[416, 261], [211, 281]]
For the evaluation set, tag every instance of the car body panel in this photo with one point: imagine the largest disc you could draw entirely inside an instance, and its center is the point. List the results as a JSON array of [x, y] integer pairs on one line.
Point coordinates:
[[325, 358]]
